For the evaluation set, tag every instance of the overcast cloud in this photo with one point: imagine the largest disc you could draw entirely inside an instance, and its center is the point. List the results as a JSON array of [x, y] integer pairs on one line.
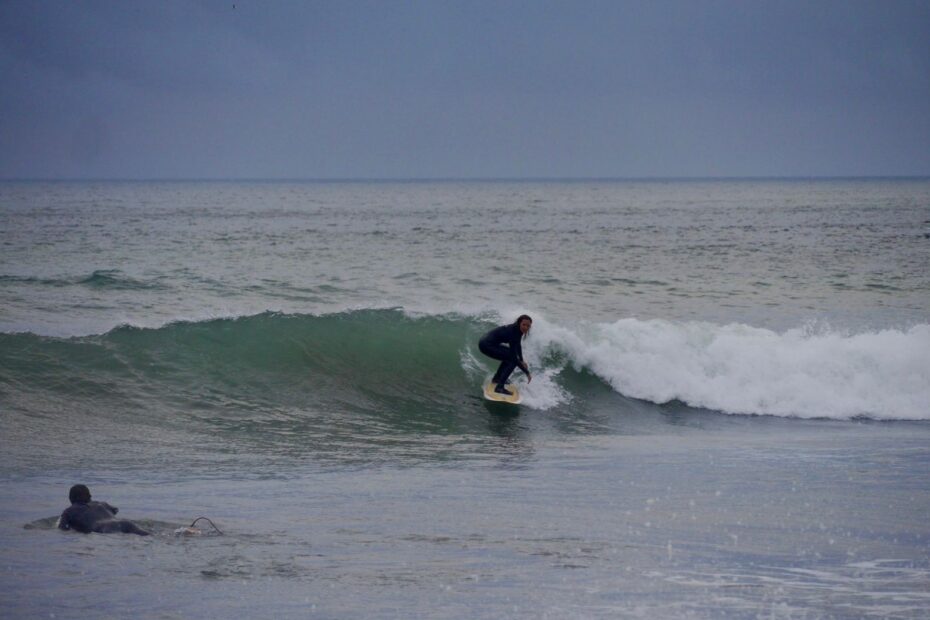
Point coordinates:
[[247, 89]]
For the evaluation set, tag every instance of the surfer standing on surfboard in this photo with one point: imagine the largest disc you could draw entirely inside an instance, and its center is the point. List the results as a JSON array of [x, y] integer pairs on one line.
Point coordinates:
[[503, 343]]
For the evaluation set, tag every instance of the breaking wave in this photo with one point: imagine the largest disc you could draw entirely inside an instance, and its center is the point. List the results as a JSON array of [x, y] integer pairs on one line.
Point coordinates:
[[386, 362]]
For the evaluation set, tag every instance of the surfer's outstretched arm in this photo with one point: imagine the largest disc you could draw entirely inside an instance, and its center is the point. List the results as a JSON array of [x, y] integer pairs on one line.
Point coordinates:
[[124, 526]]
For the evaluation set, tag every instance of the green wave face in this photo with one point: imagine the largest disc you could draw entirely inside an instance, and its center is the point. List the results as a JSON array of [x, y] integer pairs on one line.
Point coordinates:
[[267, 360], [256, 393], [344, 384]]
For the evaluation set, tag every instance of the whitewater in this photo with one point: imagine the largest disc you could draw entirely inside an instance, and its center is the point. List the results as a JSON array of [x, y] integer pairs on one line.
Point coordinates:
[[728, 413]]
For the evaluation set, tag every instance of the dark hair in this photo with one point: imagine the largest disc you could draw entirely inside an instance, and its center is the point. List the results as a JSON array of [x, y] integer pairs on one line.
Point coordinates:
[[520, 319], [79, 494]]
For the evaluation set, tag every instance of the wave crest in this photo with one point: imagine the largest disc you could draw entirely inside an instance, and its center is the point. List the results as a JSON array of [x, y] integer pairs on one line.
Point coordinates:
[[740, 369]]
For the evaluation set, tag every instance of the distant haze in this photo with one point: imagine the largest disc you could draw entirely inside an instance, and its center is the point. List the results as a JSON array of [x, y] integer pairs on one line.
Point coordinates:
[[471, 89]]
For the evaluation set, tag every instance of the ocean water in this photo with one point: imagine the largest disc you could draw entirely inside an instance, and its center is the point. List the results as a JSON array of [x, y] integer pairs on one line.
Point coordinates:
[[728, 415]]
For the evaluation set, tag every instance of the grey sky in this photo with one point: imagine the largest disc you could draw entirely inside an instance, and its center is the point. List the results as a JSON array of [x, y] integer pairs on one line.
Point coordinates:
[[247, 89]]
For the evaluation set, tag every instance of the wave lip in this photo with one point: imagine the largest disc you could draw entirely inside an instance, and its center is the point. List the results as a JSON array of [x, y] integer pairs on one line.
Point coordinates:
[[740, 369]]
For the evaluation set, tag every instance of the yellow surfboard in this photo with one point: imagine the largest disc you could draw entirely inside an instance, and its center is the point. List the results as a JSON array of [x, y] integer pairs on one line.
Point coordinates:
[[513, 399]]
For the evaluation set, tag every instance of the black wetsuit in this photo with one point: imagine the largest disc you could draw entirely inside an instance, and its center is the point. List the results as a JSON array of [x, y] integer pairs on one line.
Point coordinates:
[[96, 517], [493, 344]]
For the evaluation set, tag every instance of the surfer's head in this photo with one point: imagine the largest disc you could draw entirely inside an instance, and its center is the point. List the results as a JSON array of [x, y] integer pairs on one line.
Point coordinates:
[[524, 322], [79, 494]]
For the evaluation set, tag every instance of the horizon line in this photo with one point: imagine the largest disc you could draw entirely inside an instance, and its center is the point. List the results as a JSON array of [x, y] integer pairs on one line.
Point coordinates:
[[480, 179]]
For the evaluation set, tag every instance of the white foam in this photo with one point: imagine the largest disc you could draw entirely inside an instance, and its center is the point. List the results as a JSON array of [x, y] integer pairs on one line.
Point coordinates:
[[740, 369], [544, 392]]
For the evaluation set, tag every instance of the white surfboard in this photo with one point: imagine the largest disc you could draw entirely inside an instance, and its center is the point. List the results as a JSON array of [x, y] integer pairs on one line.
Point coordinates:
[[513, 399]]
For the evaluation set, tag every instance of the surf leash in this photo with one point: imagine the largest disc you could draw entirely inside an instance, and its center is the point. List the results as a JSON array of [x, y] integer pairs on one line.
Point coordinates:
[[190, 530]]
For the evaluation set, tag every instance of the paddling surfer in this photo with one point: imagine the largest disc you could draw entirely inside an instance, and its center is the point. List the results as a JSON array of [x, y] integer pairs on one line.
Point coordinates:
[[87, 516], [503, 343]]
